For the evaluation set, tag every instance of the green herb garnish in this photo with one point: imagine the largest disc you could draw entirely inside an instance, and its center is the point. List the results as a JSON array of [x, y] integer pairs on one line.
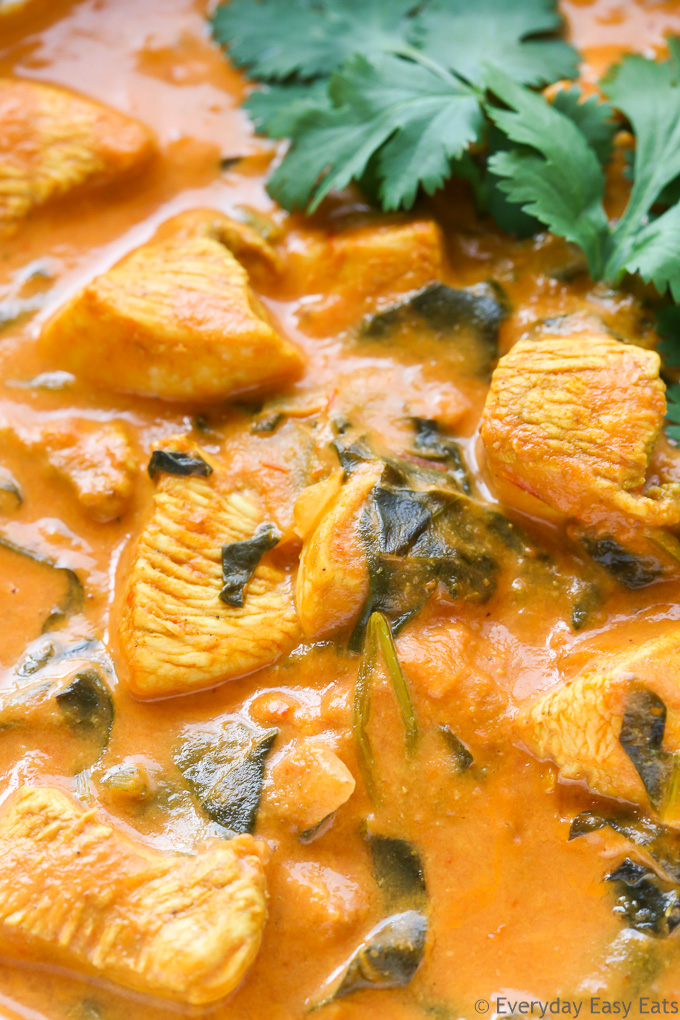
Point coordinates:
[[438, 89], [395, 103]]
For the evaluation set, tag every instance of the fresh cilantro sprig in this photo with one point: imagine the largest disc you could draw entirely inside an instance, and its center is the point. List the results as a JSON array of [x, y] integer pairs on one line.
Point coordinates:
[[402, 121], [467, 36], [553, 173], [399, 95], [397, 88], [556, 176], [593, 117], [298, 40], [289, 40]]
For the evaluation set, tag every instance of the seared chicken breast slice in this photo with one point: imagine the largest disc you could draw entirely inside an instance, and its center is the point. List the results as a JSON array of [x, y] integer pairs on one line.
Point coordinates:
[[176, 319], [580, 726], [573, 420], [177, 634], [333, 579], [77, 893], [52, 142]]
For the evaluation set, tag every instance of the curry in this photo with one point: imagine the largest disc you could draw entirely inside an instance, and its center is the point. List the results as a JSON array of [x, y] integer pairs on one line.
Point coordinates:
[[338, 570]]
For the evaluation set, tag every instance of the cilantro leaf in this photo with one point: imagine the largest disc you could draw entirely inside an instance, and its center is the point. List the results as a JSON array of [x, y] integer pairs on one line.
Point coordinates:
[[275, 108], [594, 118], [465, 36], [408, 121], [654, 252], [673, 412], [561, 182], [668, 328], [670, 194], [648, 94], [275, 40]]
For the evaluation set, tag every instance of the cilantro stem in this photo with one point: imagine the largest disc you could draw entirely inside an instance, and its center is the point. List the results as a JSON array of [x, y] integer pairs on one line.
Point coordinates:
[[418, 57]]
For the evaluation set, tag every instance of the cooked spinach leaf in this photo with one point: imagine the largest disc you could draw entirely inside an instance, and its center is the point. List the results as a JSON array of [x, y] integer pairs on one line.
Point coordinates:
[[74, 597], [87, 706], [460, 754], [398, 870], [351, 455], [641, 737], [240, 561], [388, 958], [174, 462], [36, 658], [468, 320], [267, 422], [661, 842], [80, 704], [223, 764], [432, 445], [128, 782], [587, 599], [647, 904], [402, 518], [422, 530], [629, 569], [417, 540]]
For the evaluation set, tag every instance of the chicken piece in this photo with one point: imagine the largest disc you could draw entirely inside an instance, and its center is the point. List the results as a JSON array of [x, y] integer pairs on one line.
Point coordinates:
[[52, 141], [572, 420], [307, 784], [333, 582], [177, 319], [76, 893], [80, 701], [578, 726], [358, 268], [280, 464], [97, 461], [176, 634], [313, 502], [251, 249]]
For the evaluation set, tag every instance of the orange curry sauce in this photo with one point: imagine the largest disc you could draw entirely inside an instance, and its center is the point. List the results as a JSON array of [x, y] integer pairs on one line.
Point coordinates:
[[514, 907]]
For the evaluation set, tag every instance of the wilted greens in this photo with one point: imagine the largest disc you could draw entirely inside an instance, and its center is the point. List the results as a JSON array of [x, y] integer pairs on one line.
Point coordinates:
[[628, 568], [74, 596], [464, 322], [79, 703], [171, 462], [646, 902], [388, 958], [460, 754], [223, 764], [87, 706], [641, 737], [240, 561], [398, 870]]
